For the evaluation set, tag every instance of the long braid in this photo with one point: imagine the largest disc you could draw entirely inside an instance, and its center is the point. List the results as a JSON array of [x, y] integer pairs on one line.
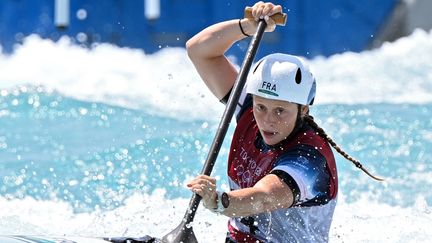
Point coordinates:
[[310, 120]]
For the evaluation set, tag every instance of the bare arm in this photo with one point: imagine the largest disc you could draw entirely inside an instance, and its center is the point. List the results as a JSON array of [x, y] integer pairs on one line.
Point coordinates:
[[268, 194], [207, 48], [206, 51]]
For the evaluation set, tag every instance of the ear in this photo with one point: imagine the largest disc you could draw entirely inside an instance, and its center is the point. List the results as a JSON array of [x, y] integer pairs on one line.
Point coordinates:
[[304, 110]]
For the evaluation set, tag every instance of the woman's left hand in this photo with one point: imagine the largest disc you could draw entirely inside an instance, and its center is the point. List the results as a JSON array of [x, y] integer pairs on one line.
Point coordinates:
[[262, 10], [205, 186]]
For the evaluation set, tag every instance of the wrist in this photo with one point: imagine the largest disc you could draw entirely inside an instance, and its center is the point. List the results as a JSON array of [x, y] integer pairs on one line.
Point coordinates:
[[249, 26], [212, 204], [222, 202], [242, 30]]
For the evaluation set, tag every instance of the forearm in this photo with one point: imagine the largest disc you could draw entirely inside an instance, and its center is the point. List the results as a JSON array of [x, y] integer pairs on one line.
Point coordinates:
[[215, 40], [245, 202], [206, 51], [250, 201], [267, 194]]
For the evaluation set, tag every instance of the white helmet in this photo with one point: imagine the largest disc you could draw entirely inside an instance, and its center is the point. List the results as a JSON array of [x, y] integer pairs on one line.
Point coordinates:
[[282, 77]]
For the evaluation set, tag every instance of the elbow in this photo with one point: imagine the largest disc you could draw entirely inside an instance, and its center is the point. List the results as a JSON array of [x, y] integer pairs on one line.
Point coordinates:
[[197, 48], [191, 48], [189, 45]]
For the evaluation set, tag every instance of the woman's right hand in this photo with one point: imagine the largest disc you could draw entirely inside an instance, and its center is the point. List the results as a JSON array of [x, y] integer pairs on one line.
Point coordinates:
[[261, 10], [205, 186]]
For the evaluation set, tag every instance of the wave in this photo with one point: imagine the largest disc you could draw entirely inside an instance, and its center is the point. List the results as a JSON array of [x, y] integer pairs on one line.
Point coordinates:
[[154, 215], [399, 72], [167, 84]]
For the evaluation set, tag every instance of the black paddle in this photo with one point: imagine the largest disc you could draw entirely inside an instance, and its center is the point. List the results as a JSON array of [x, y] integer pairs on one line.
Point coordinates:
[[184, 232]]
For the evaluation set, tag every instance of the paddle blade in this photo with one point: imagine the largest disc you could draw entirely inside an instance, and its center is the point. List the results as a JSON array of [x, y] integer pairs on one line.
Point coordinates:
[[144, 239], [182, 233]]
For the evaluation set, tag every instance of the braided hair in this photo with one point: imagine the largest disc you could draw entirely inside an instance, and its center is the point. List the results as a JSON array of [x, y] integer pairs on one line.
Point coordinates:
[[310, 120]]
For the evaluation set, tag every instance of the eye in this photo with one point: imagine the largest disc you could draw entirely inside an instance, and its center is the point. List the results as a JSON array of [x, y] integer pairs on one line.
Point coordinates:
[[260, 107], [279, 111]]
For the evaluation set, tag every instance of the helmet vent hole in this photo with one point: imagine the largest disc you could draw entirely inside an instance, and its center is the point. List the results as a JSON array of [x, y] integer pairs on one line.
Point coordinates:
[[298, 76], [257, 66]]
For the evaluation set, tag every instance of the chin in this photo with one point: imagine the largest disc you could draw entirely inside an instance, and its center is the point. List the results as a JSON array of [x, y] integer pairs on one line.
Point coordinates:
[[271, 142]]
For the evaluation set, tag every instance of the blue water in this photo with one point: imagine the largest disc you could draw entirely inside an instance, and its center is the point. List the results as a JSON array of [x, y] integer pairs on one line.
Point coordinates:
[[57, 147], [102, 142]]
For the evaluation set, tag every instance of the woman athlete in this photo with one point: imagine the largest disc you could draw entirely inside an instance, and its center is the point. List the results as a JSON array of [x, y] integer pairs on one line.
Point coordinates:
[[281, 169]]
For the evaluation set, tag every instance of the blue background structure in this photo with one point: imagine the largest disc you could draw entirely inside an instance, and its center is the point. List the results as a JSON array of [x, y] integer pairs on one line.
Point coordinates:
[[313, 28]]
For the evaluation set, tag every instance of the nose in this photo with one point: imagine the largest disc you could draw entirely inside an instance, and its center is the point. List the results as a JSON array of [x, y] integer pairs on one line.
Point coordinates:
[[270, 118]]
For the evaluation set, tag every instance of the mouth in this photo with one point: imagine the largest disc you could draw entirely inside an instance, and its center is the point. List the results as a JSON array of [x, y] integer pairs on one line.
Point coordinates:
[[268, 134]]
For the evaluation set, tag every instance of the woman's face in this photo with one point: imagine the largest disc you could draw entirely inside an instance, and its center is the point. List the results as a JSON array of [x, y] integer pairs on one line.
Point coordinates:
[[276, 119]]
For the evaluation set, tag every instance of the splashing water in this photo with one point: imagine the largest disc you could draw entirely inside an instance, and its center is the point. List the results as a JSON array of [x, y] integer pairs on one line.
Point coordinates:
[[100, 142]]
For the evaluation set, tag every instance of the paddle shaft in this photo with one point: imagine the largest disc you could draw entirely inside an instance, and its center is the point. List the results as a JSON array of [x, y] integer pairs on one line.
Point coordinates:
[[186, 234], [231, 106]]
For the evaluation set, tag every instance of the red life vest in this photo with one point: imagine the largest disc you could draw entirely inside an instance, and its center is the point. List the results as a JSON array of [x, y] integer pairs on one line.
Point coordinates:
[[247, 164]]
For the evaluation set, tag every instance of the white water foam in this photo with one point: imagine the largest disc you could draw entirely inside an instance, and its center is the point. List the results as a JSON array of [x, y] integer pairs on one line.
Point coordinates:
[[154, 215], [166, 82], [399, 72]]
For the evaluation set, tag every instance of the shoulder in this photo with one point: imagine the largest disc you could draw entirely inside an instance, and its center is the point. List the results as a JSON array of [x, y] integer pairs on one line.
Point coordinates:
[[304, 163], [303, 155], [305, 170], [244, 104]]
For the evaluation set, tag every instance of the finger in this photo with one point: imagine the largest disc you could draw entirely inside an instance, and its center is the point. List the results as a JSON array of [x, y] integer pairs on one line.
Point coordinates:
[[207, 185], [205, 194], [254, 8], [271, 24], [200, 178], [260, 14], [197, 180], [206, 177], [202, 184], [257, 4], [266, 10], [275, 9], [202, 181], [257, 9], [197, 189]]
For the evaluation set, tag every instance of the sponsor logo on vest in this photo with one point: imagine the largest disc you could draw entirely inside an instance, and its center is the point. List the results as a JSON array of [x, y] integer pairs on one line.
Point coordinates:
[[268, 88], [247, 170]]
